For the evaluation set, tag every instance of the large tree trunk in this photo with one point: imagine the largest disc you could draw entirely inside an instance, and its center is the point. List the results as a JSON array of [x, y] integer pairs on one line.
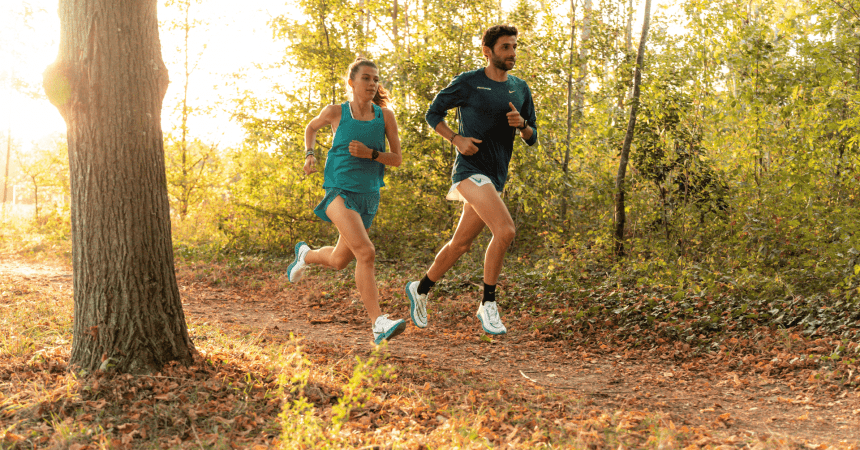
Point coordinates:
[[109, 82], [620, 214]]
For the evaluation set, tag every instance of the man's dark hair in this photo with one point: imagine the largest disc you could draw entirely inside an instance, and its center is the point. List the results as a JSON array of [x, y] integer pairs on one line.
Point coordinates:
[[495, 32]]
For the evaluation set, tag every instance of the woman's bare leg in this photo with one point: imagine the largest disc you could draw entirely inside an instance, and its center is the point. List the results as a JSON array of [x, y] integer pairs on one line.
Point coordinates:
[[352, 243]]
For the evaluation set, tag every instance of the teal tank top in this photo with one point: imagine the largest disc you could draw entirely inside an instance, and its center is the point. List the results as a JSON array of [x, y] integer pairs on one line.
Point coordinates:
[[347, 172]]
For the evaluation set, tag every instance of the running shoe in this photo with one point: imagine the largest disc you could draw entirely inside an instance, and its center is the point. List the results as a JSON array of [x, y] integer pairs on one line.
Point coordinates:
[[296, 269], [385, 328], [417, 305], [488, 314]]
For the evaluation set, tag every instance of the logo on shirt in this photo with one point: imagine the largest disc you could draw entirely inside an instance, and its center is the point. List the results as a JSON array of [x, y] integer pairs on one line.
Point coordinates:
[[485, 88], [510, 92]]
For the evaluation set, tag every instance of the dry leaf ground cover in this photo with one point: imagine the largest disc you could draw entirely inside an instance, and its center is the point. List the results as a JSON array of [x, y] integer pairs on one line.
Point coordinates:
[[575, 383]]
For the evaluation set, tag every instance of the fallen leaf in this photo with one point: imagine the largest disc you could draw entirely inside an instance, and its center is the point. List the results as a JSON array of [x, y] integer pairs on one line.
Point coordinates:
[[11, 438], [127, 427], [223, 421]]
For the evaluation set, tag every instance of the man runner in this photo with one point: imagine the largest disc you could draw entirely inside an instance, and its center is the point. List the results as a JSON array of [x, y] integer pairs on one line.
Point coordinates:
[[494, 107]]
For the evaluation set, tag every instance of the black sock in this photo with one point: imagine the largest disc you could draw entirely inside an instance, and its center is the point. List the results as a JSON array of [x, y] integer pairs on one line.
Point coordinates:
[[489, 293], [424, 285]]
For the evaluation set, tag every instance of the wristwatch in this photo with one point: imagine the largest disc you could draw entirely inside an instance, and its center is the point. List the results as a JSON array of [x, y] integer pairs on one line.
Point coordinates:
[[374, 155], [525, 125]]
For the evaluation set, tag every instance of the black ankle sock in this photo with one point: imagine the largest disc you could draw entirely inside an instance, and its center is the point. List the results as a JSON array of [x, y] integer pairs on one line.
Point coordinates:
[[424, 285], [489, 293]]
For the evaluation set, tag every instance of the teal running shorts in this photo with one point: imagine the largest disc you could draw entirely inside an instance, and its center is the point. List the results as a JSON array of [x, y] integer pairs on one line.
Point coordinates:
[[365, 204]]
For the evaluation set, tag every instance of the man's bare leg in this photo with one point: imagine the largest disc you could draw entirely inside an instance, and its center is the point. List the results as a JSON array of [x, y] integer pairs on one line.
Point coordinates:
[[468, 229], [483, 206], [491, 210]]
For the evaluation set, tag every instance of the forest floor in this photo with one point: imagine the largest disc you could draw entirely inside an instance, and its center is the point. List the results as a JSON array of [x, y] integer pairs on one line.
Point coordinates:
[[522, 389]]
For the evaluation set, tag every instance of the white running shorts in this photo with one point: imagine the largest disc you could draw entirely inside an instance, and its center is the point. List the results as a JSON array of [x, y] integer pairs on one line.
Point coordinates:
[[479, 180]]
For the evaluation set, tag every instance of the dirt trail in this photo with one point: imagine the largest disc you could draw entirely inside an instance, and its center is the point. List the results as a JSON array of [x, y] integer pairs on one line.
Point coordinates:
[[695, 392]]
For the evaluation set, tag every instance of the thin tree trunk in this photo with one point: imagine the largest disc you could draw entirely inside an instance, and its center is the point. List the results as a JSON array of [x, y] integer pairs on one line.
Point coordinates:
[[628, 30], [565, 167], [620, 214], [6, 168], [183, 143], [628, 50], [35, 201], [394, 31], [8, 155], [328, 53], [583, 57], [398, 50], [857, 70], [364, 24], [109, 82]]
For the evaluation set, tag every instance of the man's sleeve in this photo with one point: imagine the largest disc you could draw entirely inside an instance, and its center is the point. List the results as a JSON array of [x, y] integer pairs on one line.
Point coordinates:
[[528, 113], [454, 95]]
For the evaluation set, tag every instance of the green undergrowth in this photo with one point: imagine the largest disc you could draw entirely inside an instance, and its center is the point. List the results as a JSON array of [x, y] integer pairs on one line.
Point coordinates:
[[47, 239], [639, 300]]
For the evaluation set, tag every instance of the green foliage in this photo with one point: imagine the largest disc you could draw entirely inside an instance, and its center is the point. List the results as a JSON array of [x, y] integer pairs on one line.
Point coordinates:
[[365, 376], [301, 426], [44, 169], [271, 204], [744, 174], [742, 156], [194, 174]]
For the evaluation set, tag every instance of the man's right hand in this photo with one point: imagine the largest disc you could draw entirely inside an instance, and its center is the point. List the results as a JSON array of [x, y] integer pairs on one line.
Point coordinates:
[[466, 145]]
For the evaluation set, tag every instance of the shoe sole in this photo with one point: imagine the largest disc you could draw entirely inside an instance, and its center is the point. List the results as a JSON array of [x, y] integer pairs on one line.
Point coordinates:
[[392, 333], [412, 307], [494, 333], [293, 264]]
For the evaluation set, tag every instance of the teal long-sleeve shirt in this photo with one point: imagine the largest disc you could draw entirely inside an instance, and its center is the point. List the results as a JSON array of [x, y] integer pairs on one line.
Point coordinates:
[[483, 105]]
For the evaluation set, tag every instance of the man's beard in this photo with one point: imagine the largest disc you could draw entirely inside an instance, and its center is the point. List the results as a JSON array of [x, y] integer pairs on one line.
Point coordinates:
[[501, 64]]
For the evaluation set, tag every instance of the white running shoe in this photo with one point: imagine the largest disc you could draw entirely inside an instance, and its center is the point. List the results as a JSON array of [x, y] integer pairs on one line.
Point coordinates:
[[417, 305], [385, 328], [488, 314], [296, 269]]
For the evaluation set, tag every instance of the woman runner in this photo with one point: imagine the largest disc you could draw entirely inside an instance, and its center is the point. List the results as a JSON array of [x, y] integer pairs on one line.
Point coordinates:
[[354, 172]]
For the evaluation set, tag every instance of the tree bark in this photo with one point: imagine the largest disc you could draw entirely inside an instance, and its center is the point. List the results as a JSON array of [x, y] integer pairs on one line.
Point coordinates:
[[109, 82], [628, 29], [6, 168], [620, 214], [35, 200], [583, 58], [566, 165], [183, 143]]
